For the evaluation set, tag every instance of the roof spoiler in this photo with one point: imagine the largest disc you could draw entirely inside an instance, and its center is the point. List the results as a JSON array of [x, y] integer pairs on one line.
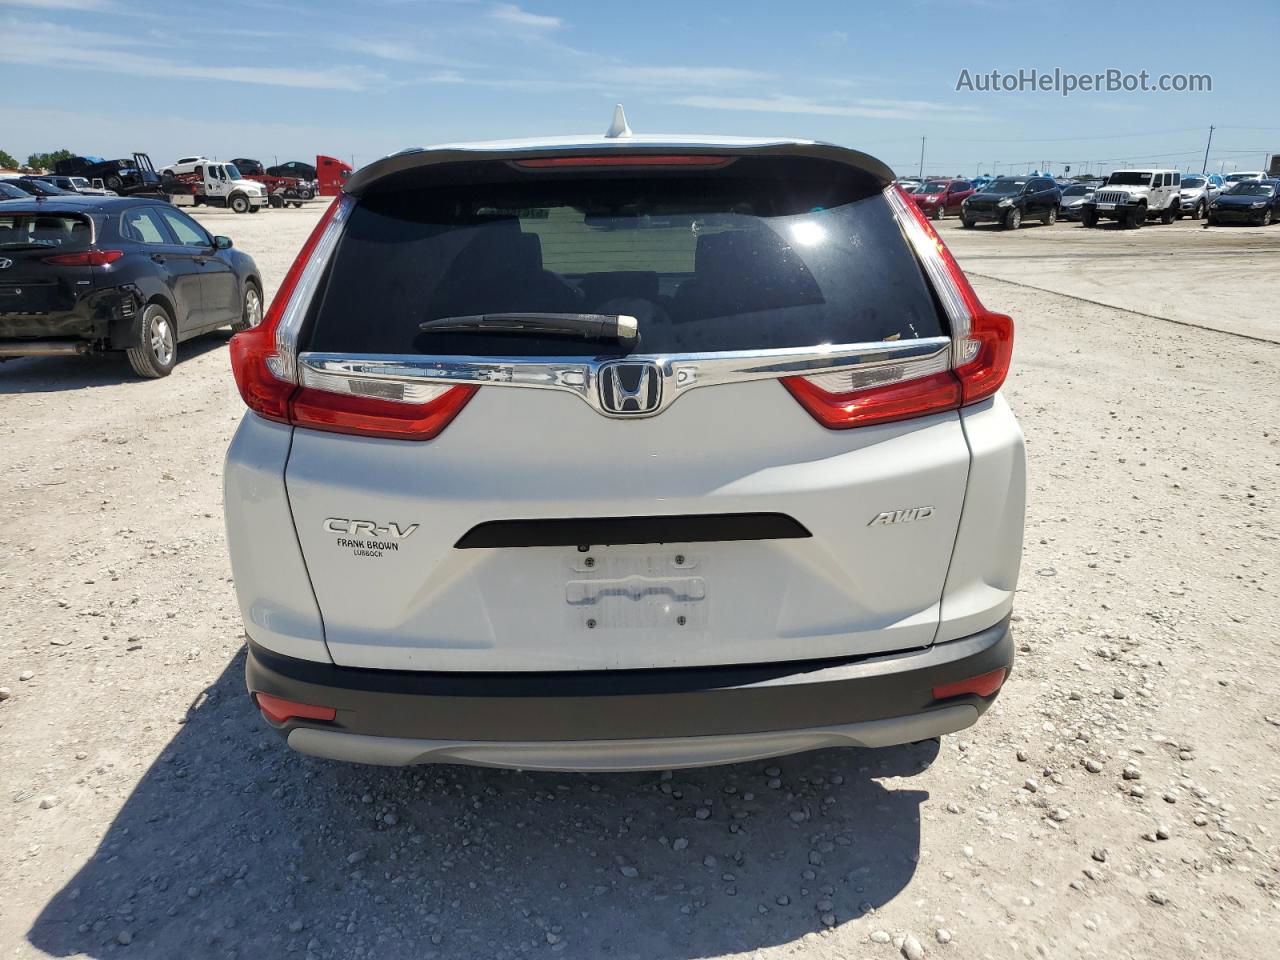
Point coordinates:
[[397, 163]]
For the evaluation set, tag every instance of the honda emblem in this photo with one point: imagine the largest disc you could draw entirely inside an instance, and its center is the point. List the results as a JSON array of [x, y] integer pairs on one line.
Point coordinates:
[[629, 388]]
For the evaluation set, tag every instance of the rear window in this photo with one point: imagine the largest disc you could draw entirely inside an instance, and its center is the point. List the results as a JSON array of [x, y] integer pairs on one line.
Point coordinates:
[[54, 230], [759, 254]]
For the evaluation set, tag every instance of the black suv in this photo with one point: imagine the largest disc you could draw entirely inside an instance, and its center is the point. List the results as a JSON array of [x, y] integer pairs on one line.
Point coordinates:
[[1010, 200], [81, 274]]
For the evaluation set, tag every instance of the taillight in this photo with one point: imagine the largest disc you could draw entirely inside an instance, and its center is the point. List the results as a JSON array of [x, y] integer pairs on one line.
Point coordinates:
[[86, 258], [857, 408], [373, 417], [278, 709], [264, 362], [983, 685], [973, 369]]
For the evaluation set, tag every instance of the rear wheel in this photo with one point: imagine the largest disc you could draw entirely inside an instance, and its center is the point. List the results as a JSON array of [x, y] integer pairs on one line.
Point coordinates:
[[251, 314], [239, 203], [157, 349], [1013, 219]]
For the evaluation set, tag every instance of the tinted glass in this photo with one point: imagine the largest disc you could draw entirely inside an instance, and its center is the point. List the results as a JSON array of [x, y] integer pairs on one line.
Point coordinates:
[[1130, 179], [746, 258], [187, 232], [1005, 186], [56, 230], [1251, 188], [141, 225]]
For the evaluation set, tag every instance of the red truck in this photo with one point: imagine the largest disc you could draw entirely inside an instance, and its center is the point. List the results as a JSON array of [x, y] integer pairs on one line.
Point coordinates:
[[332, 174]]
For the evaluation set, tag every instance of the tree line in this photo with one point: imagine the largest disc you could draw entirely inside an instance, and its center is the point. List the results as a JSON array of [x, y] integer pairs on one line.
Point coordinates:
[[41, 161]]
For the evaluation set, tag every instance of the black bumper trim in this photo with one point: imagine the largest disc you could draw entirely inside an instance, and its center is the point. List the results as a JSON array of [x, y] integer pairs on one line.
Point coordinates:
[[629, 704]]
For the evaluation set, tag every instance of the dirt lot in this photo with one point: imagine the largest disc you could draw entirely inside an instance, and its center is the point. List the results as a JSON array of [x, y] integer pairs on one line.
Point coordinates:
[[1122, 799]]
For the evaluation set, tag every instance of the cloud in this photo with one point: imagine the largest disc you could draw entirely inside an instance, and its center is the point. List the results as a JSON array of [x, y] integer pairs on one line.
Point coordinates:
[[45, 43], [680, 76], [510, 13], [787, 103], [385, 49]]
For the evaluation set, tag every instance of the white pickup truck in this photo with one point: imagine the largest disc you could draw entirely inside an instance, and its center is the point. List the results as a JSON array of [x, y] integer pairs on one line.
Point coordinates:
[[216, 185]]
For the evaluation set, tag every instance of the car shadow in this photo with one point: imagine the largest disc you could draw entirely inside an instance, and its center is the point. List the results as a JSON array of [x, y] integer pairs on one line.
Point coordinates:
[[55, 374], [232, 845]]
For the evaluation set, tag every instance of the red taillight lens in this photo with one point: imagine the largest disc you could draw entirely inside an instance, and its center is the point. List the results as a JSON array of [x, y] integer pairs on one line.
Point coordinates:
[[897, 401], [991, 343], [983, 685], [86, 258], [980, 355], [254, 352], [279, 710], [251, 351], [371, 417]]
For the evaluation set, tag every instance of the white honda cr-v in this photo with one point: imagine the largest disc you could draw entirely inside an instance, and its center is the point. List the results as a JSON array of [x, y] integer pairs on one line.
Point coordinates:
[[622, 453]]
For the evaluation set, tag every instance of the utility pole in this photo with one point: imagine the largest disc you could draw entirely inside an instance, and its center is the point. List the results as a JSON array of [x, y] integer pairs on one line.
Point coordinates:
[[922, 158], [1205, 166]]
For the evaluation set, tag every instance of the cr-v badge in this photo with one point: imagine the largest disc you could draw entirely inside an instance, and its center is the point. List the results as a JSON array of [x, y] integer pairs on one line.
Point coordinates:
[[909, 515]]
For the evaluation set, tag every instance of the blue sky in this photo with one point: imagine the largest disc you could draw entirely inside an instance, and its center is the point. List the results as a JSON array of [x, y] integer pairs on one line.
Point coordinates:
[[288, 79]]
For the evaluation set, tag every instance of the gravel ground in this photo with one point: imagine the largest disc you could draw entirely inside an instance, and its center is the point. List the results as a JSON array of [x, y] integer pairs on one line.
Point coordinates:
[[1119, 801]]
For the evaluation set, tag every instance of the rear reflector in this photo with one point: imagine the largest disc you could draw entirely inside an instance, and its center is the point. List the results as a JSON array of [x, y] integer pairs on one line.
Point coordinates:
[[279, 710], [86, 258], [982, 348], [266, 373], [983, 685], [633, 160]]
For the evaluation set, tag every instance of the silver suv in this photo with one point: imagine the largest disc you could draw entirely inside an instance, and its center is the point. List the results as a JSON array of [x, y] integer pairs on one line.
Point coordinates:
[[623, 453]]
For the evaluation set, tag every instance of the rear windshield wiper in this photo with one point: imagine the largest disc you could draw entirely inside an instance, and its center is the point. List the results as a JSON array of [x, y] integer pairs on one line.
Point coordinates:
[[588, 326]]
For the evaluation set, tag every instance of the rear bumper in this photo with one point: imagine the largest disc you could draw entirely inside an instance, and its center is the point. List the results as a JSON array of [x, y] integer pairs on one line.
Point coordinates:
[[629, 719]]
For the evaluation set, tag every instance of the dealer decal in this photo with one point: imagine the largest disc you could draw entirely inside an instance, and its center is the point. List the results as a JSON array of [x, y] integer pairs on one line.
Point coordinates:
[[364, 538]]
